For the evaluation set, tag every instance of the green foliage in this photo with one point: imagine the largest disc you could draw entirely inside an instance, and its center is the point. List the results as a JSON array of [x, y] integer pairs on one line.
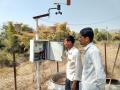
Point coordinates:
[[5, 59], [19, 41], [13, 40], [26, 28], [60, 32], [116, 37], [96, 31], [1, 44], [102, 35]]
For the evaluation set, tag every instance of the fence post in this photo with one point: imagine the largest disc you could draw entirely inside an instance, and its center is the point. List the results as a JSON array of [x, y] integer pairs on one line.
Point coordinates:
[[14, 66], [57, 66], [105, 60]]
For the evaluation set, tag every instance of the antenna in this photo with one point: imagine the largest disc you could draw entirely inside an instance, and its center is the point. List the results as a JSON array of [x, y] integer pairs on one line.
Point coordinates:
[[58, 8]]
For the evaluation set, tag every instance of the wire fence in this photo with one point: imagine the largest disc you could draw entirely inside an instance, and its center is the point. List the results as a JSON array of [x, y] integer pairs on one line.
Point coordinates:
[[25, 71], [26, 75]]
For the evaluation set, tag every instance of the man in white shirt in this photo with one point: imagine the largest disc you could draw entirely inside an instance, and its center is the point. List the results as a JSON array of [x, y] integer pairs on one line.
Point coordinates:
[[74, 66], [93, 75]]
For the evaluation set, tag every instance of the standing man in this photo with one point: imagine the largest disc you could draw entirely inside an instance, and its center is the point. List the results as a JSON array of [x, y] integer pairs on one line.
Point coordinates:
[[93, 75], [74, 66]]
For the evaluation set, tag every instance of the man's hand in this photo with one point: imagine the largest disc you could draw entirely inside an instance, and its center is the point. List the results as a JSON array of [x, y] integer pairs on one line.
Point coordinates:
[[74, 85]]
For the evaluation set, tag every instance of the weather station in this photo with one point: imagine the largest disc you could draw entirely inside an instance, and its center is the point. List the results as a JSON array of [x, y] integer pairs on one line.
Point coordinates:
[[41, 49], [44, 49]]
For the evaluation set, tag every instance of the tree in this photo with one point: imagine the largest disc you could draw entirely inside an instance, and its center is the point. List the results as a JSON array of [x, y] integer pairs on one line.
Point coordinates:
[[59, 32], [96, 31], [10, 35], [26, 28], [103, 35], [12, 38], [2, 37], [116, 37]]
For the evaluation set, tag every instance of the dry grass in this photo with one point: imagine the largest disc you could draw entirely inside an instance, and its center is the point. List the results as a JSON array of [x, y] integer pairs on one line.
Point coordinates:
[[111, 51], [5, 70], [26, 71]]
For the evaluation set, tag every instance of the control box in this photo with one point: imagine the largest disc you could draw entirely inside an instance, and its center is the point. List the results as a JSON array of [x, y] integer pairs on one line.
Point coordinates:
[[46, 50]]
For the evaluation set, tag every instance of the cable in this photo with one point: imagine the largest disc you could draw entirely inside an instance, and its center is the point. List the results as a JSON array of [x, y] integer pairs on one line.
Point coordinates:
[[99, 22]]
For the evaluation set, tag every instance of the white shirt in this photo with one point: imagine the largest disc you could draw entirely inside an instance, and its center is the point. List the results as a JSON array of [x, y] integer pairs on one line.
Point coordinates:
[[93, 70], [74, 65]]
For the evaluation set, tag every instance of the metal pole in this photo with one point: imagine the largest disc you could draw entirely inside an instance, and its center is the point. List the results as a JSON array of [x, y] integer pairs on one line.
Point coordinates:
[[14, 65], [17, 27], [115, 62], [57, 66], [37, 62], [38, 75], [105, 61], [107, 34], [37, 32], [57, 61]]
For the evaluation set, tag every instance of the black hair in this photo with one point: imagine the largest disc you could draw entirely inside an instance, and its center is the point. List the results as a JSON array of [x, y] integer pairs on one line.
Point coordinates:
[[87, 32], [70, 38]]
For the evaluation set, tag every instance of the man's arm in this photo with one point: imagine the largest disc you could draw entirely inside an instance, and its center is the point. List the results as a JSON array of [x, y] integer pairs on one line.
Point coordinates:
[[99, 69], [78, 71], [78, 67]]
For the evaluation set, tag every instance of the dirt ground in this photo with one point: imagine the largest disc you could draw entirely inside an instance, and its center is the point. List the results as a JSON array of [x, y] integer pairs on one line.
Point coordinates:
[[26, 71]]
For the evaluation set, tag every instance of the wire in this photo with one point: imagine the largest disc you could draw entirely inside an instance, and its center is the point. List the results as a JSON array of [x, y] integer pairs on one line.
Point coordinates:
[[98, 22]]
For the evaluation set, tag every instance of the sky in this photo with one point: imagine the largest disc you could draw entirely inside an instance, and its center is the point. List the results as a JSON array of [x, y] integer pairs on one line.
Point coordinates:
[[80, 14]]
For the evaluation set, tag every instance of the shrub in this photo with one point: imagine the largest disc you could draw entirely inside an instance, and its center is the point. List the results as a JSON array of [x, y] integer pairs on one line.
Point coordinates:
[[116, 38], [5, 59], [103, 36]]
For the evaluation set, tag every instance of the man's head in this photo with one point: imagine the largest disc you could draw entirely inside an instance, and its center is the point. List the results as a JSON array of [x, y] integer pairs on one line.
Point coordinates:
[[69, 42], [86, 36]]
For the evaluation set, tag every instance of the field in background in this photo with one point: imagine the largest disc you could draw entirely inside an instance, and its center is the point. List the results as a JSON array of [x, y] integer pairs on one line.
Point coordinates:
[[111, 52], [26, 71]]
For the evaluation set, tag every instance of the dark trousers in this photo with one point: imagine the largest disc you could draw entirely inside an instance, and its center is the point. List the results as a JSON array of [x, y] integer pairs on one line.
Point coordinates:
[[68, 84]]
